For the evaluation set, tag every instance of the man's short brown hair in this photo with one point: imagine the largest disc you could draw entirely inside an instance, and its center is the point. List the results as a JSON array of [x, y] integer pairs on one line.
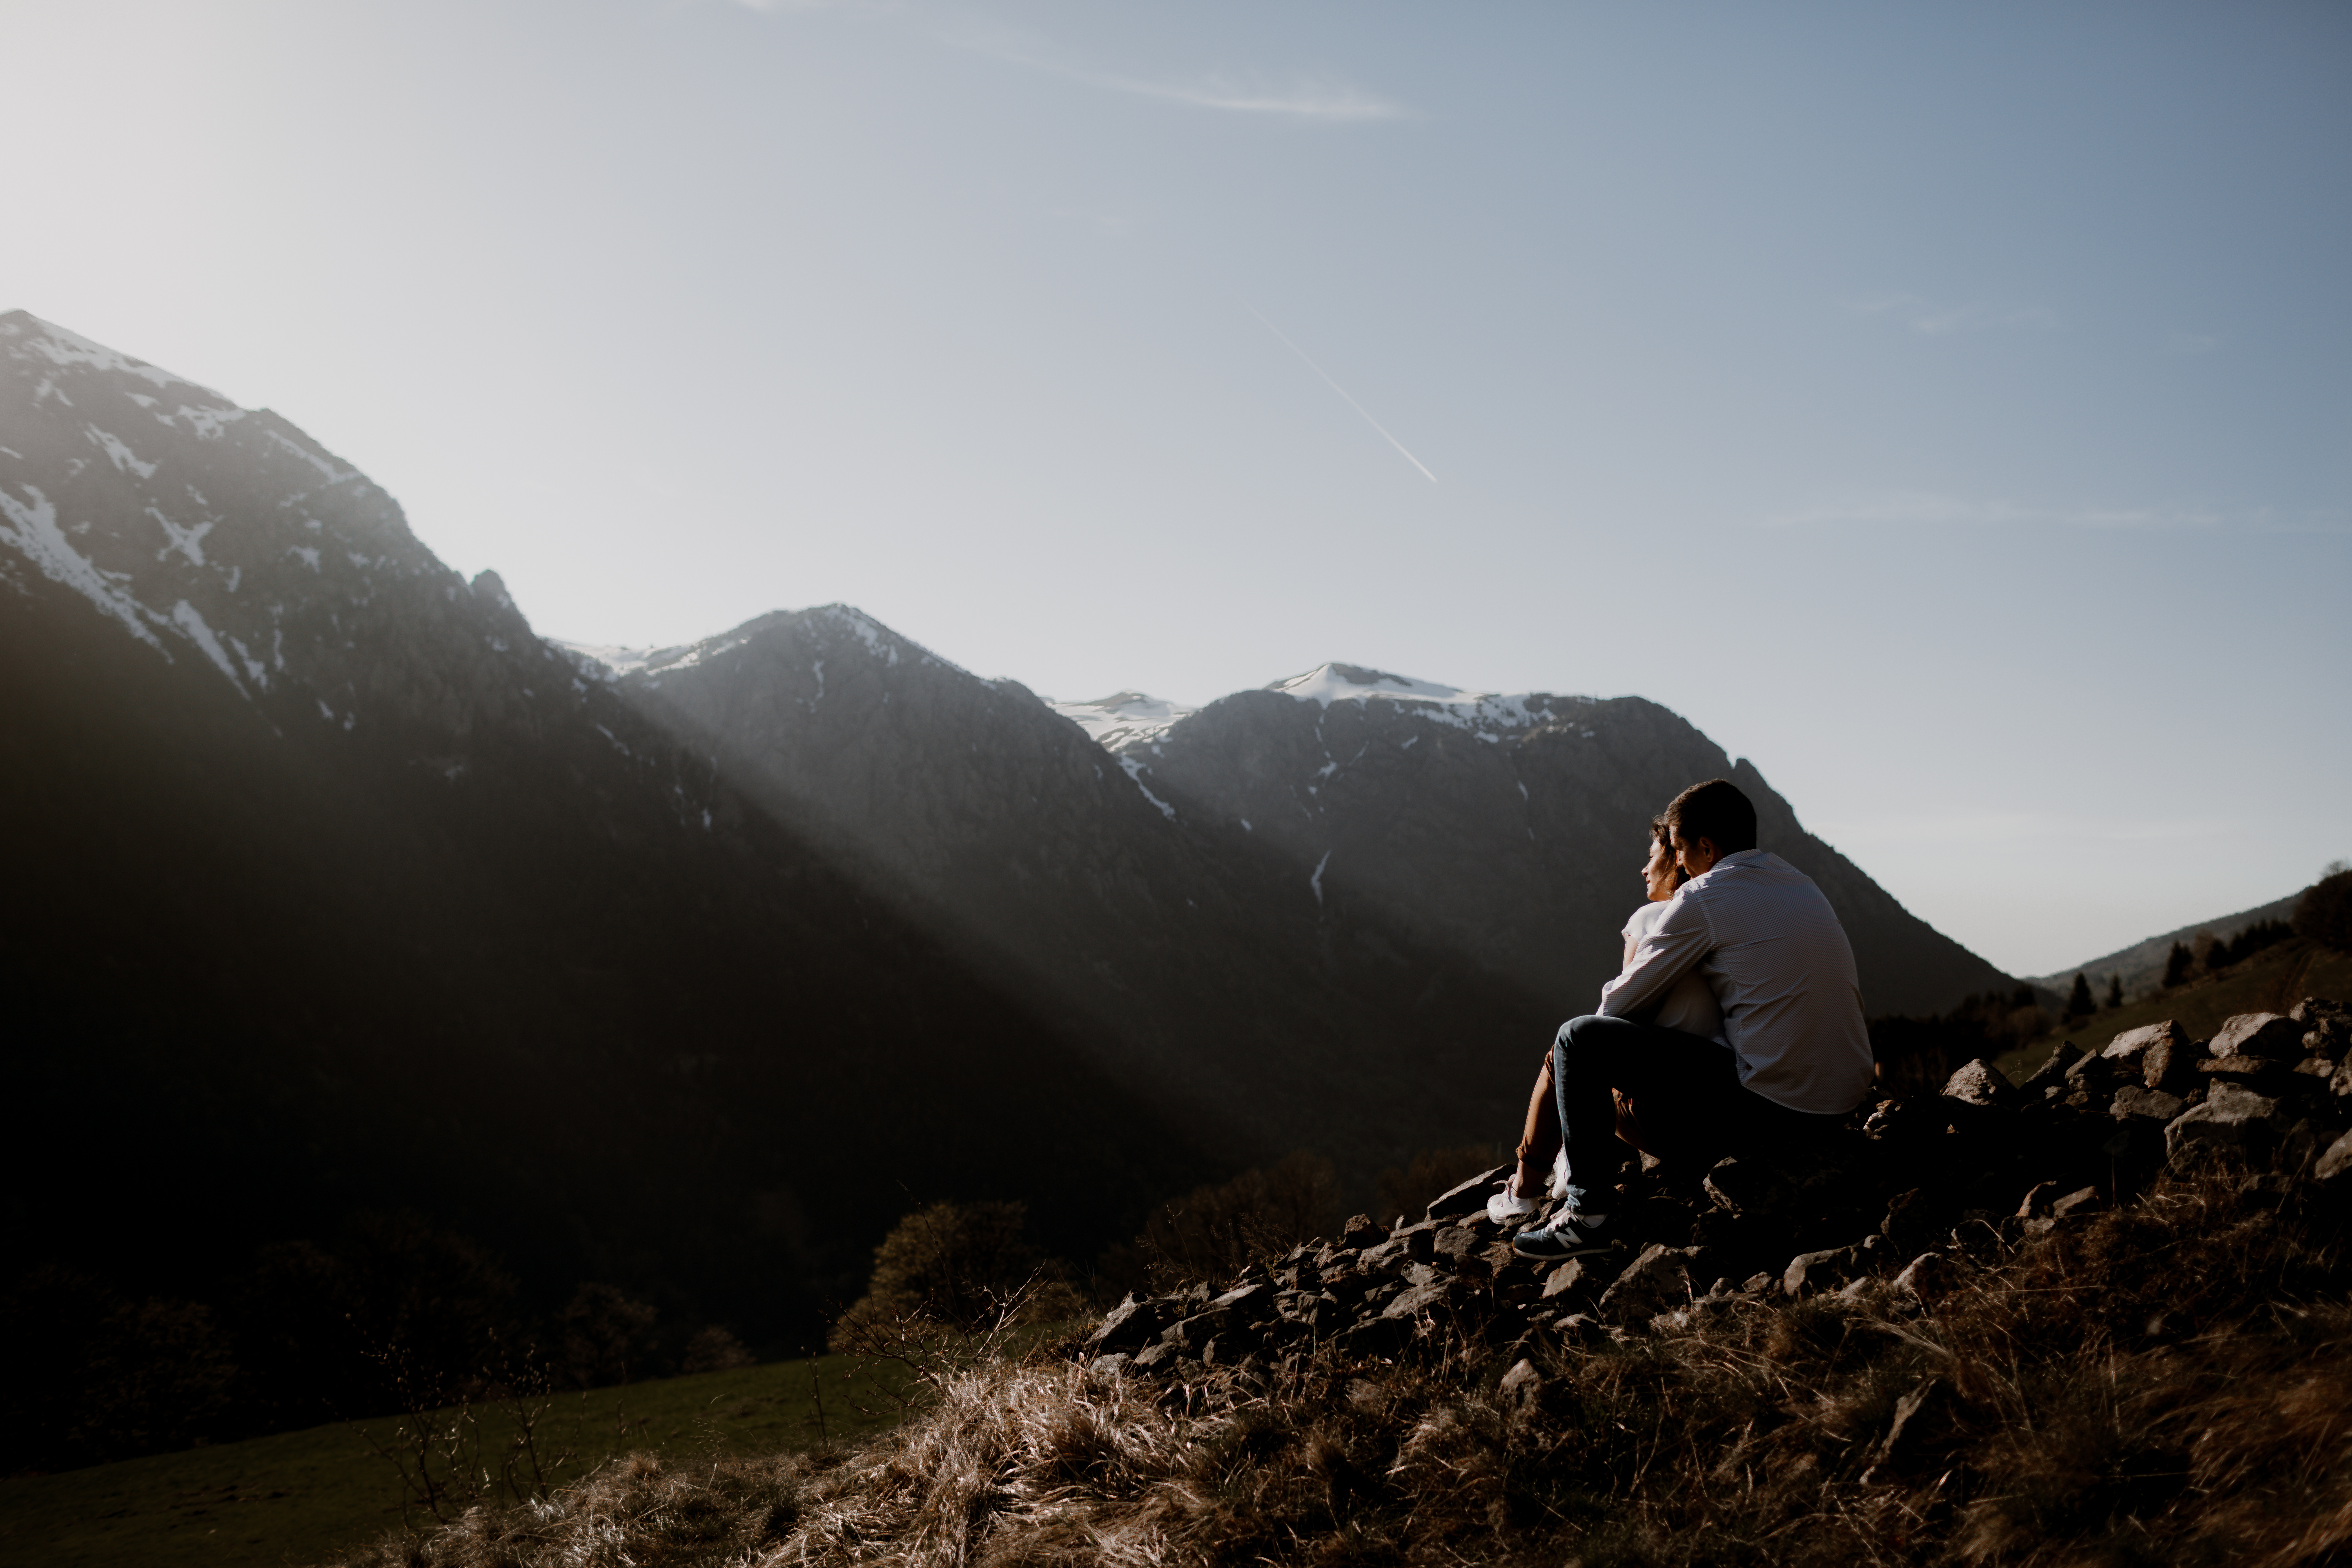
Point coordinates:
[[1715, 811]]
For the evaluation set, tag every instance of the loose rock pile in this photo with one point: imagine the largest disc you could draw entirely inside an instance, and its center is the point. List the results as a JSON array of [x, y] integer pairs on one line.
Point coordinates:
[[1894, 1201]]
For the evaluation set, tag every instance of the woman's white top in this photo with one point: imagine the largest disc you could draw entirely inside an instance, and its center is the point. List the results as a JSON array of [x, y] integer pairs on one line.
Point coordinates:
[[1689, 1006]]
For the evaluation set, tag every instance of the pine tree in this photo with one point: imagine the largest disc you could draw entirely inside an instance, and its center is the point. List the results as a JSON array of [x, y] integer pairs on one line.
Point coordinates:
[[2079, 1004], [2177, 965], [2114, 992]]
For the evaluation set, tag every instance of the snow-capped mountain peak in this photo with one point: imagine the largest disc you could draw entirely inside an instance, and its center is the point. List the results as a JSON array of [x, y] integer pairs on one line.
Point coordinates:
[[1124, 718], [1484, 712]]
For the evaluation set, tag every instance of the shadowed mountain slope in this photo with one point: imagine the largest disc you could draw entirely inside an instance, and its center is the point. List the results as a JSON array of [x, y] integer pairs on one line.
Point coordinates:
[[1345, 912], [334, 888]]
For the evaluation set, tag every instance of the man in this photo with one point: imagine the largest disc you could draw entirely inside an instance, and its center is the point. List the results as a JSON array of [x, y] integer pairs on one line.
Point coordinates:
[[1793, 1056]]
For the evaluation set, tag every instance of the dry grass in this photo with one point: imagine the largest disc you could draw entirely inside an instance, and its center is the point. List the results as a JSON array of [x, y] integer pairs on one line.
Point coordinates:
[[2166, 1385]]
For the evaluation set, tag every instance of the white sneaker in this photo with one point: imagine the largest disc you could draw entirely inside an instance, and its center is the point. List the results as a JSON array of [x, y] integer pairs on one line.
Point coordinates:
[[1506, 1205]]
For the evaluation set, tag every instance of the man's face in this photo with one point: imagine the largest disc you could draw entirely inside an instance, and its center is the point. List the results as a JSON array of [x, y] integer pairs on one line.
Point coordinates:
[[1696, 856]]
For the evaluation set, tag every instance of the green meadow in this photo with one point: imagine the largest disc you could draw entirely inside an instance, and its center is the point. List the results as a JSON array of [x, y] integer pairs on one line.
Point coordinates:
[[301, 1498], [2270, 981]]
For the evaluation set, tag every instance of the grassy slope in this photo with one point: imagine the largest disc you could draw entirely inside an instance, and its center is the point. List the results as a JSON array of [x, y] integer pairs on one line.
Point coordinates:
[[2164, 1382], [2142, 963], [302, 1497], [2270, 981]]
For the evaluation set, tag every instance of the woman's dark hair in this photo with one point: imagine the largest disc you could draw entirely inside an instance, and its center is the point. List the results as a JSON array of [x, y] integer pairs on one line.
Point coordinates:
[[1714, 810], [1660, 833]]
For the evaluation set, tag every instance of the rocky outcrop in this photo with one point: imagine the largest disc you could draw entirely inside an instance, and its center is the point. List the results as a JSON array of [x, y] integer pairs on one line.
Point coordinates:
[[1901, 1200]]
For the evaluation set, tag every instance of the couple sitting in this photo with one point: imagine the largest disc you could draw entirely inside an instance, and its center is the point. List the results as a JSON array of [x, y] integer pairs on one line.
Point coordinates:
[[1735, 1024]]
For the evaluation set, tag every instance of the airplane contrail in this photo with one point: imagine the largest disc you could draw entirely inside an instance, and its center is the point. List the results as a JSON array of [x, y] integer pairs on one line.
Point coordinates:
[[1343, 391]]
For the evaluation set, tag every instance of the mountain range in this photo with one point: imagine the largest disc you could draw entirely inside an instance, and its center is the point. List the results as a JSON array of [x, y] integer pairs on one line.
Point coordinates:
[[692, 968]]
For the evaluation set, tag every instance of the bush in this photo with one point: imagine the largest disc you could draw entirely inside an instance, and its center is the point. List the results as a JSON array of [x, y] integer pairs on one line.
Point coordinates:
[[1214, 1232], [958, 1265], [2325, 912], [604, 1337], [1917, 1056], [96, 1375]]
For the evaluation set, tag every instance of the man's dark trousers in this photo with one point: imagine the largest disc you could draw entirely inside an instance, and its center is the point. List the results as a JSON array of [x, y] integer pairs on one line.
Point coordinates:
[[1681, 1085]]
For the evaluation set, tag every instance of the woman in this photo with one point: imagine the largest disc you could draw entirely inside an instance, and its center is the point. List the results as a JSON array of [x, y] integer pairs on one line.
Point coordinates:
[[1690, 1007]]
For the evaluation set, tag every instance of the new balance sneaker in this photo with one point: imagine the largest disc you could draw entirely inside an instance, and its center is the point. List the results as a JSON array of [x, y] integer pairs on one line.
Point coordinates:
[[1506, 1206], [1565, 1234]]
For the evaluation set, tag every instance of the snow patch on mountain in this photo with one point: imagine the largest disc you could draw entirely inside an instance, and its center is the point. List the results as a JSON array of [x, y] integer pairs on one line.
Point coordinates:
[[62, 348], [1123, 720], [185, 616], [33, 531], [1487, 715], [1133, 768], [118, 451]]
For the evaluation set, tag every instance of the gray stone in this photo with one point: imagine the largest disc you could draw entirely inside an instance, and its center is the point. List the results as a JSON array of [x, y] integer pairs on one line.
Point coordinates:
[[1471, 1196], [1926, 1277], [1106, 1365], [2232, 1120], [1376, 1337], [1457, 1241], [2152, 1103], [1657, 1281], [2081, 1200], [1129, 1326], [2051, 1072], [1824, 1270], [1568, 1277], [2336, 1161], [1250, 1299], [1520, 1389], [1980, 1083], [1745, 1188], [1417, 1298], [2257, 1035], [2127, 1047]]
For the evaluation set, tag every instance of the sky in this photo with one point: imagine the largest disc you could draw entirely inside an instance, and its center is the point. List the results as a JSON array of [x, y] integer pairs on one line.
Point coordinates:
[[1947, 408]]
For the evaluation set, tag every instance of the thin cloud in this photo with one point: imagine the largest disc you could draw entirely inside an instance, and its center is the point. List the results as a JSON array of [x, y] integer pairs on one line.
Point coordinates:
[[1302, 98], [1931, 509], [1298, 96], [1927, 508], [1931, 320]]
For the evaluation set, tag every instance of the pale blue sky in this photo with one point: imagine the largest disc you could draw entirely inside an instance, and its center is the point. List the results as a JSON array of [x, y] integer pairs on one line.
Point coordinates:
[[1946, 407]]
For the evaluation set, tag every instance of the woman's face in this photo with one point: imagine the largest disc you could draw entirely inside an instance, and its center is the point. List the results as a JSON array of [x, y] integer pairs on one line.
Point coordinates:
[[1658, 874]]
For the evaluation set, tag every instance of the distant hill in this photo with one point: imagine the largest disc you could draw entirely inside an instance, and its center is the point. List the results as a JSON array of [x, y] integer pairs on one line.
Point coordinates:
[[2142, 963]]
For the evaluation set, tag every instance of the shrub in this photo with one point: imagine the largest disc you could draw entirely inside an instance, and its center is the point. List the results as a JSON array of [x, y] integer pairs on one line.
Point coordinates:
[[605, 1337], [959, 1266], [1215, 1231], [2324, 913], [714, 1348]]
